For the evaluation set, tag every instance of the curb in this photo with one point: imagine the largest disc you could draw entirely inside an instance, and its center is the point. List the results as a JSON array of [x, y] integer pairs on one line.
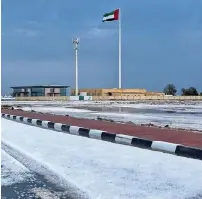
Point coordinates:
[[167, 147]]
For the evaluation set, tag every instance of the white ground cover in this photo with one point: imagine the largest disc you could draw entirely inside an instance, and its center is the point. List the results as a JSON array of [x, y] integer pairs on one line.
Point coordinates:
[[109, 170], [12, 171], [183, 120]]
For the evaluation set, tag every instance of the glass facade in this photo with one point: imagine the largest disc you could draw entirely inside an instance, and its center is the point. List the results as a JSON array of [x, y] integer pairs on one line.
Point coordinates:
[[17, 90], [37, 92], [63, 92]]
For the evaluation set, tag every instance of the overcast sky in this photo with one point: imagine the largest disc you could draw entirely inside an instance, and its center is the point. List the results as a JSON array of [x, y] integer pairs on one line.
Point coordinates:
[[161, 43]]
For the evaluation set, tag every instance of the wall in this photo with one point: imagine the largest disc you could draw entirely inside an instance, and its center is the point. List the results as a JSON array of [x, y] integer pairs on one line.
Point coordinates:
[[131, 98], [118, 92], [154, 94], [90, 92], [113, 91], [57, 92]]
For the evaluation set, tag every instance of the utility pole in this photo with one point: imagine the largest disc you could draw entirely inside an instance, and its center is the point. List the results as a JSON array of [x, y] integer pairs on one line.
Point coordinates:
[[76, 46]]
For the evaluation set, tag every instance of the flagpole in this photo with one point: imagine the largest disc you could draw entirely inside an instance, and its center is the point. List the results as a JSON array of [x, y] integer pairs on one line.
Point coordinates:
[[119, 48]]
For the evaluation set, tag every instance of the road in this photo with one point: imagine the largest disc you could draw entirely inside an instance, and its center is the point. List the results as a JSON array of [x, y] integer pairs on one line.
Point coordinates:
[[19, 182]]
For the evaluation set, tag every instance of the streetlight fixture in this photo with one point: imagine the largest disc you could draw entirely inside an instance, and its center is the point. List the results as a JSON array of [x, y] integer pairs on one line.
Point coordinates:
[[76, 42]]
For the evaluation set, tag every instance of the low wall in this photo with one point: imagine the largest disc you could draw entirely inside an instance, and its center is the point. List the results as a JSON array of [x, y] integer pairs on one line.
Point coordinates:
[[131, 98], [43, 98], [97, 98]]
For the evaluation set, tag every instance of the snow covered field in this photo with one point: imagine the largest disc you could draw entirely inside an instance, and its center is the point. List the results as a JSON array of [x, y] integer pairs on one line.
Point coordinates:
[[186, 115], [109, 170], [161, 103]]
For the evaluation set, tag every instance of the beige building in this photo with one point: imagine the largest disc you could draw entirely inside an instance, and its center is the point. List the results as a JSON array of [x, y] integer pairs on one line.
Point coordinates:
[[116, 92], [154, 94]]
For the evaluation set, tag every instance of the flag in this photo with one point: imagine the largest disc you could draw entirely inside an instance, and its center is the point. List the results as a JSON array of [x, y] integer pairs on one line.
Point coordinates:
[[111, 16]]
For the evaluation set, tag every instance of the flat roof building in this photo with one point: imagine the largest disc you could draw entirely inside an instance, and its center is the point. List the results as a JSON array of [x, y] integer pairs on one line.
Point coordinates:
[[117, 92], [40, 90]]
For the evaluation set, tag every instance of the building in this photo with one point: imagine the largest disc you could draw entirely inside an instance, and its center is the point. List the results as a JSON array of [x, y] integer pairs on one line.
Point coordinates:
[[41, 90], [155, 94], [116, 92]]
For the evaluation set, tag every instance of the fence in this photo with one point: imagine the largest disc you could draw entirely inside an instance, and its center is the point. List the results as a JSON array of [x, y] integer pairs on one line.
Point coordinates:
[[117, 98]]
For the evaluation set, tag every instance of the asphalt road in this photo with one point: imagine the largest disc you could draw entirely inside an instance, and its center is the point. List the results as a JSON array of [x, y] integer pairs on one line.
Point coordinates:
[[31, 188], [17, 183]]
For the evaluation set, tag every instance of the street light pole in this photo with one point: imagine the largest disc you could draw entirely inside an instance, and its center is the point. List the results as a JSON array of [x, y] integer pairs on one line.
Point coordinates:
[[76, 45]]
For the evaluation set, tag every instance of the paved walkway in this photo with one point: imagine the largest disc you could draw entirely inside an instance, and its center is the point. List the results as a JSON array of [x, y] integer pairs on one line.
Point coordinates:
[[186, 138]]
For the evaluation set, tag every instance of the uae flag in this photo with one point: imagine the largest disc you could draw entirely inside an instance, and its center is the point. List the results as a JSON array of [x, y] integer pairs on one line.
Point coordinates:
[[111, 16]]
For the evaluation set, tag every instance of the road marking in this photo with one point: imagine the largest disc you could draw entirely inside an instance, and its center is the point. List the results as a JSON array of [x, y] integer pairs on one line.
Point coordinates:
[[44, 193]]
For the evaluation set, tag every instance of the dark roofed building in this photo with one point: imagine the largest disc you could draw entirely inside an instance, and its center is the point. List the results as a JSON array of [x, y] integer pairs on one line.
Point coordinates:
[[41, 90]]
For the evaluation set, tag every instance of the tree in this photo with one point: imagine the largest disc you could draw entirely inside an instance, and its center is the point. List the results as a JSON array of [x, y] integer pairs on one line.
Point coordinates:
[[170, 89], [192, 91]]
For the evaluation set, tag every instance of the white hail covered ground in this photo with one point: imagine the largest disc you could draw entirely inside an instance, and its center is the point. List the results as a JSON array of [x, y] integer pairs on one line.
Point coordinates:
[[182, 120], [12, 171], [108, 170]]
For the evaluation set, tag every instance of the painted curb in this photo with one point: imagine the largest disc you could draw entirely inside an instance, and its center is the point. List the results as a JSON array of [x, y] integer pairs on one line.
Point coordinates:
[[167, 147]]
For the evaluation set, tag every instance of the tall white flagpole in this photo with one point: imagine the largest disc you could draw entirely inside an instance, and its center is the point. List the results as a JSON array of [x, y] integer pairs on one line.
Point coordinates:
[[119, 48]]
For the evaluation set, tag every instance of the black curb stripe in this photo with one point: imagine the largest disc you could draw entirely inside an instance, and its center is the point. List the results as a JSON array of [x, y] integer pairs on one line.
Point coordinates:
[[29, 120], [141, 142], [3, 114], [51, 125], [108, 136], [39, 122], [189, 152], [65, 128], [84, 132], [8, 116], [14, 117], [21, 118]]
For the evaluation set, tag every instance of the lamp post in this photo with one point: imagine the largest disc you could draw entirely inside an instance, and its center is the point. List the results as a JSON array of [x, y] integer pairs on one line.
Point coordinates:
[[76, 46]]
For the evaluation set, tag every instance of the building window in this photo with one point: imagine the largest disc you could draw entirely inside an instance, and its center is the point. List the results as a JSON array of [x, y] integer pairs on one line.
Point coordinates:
[[17, 90], [37, 92], [63, 92], [52, 90]]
